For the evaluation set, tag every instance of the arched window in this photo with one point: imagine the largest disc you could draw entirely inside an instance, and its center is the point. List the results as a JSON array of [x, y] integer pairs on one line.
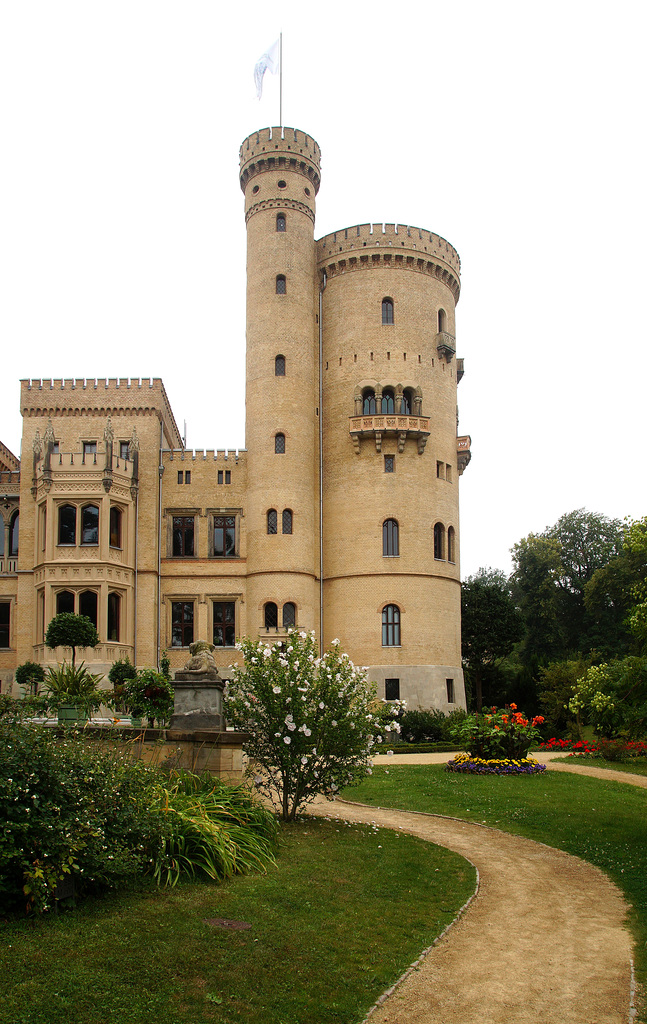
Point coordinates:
[[115, 527], [279, 366], [13, 535], [272, 526], [280, 222], [388, 401], [88, 603], [286, 525], [114, 616], [279, 444], [390, 537], [271, 615], [280, 284], [89, 524], [67, 524], [387, 311], [451, 544], [391, 626], [368, 401], [407, 402], [439, 541], [289, 615], [64, 602], [442, 320]]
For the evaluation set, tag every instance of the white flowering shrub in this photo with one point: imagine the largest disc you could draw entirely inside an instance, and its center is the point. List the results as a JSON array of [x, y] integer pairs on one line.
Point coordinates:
[[310, 719]]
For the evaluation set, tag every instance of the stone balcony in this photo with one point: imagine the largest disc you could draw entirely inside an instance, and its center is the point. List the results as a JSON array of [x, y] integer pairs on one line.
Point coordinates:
[[8, 566], [376, 425], [463, 452]]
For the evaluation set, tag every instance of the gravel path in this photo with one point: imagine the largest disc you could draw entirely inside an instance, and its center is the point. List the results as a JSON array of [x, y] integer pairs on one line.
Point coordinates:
[[544, 939]]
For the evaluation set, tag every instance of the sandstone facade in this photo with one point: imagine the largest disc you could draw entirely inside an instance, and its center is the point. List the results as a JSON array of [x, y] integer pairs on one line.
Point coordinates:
[[340, 516]]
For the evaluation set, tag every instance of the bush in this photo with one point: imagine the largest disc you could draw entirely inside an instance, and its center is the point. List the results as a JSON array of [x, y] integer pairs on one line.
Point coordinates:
[[73, 684], [497, 734], [148, 694], [613, 697], [71, 808], [120, 671], [309, 718], [29, 675], [423, 724]]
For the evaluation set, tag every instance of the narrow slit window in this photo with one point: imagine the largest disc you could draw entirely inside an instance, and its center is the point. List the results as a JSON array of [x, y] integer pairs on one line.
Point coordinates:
[[279, 444], [279, 366], [286, 525], [272, 521], [280, 222], [280, 284]]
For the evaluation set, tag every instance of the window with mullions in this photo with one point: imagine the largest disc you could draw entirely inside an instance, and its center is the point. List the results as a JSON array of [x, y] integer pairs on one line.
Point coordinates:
[[181, 623], [89, 524], [67, 524], [270, 615], [391, 626], [387, 311], [390, 537], [368, 402], [123, 450], [224, 623], [286, 524], [388, 401], [224, 536], [5, 622], [90, 449], [183, 536]]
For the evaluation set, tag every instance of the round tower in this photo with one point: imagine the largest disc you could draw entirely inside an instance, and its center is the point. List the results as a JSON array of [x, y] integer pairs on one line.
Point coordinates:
[[391, 466], [279, 175]]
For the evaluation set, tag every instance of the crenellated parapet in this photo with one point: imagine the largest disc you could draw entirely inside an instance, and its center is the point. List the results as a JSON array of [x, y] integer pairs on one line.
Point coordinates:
[[99, 397], [390, 246], [235, 455], [280, 148]]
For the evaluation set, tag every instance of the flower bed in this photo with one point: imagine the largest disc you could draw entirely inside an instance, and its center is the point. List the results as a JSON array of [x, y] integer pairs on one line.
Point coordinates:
[[608, 749], [478, 766]]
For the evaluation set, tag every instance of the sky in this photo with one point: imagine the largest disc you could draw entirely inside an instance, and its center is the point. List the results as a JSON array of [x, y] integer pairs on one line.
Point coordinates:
[[515, 130]]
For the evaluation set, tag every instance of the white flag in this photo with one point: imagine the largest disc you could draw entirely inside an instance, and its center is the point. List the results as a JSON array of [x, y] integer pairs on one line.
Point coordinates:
[[268, 62]]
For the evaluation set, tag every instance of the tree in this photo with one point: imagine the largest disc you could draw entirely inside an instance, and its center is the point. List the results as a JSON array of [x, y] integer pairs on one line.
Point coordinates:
[[557, 683], [636, 544], [613, 697], [491, 625], [310, 720], [69, 630], [537, 567]]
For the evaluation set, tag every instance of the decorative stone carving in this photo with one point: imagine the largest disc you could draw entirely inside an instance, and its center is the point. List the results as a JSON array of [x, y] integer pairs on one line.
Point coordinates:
[[49, 434], [198, 692], [37, 445], [201, 659], [109, 434], [133, 444]]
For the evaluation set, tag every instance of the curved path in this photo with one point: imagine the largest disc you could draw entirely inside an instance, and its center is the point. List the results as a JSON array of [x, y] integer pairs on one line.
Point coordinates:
[[543, 940]]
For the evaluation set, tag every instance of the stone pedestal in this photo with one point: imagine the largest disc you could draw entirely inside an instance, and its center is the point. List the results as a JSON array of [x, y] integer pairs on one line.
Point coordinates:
[[198, 693]]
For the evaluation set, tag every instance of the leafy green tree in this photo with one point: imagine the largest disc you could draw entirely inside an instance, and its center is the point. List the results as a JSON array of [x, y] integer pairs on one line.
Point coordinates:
[[535, 577], [636, 545], [69, 630], [557, 683], [29, 675], [613, 697], [491, 624]]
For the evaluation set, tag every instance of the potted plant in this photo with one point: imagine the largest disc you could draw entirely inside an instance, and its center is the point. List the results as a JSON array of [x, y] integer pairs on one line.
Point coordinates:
[[72, 690], [149, 695], [120, 671]]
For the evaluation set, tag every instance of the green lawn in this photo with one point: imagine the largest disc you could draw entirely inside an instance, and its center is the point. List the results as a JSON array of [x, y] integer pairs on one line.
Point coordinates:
[[602, 822], [634, 765], [345, 911]]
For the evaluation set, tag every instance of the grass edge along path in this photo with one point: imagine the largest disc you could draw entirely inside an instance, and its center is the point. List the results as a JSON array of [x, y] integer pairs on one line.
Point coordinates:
[[343, 914], [603, 822]]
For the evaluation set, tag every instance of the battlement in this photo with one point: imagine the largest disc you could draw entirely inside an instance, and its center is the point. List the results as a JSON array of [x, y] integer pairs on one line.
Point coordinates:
[[203, 454], [106, 396], [280, 148], [389, 236]]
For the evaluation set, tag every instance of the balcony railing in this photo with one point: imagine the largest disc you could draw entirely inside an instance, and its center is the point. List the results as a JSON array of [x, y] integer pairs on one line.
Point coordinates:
[[376, 425], [8, 565]]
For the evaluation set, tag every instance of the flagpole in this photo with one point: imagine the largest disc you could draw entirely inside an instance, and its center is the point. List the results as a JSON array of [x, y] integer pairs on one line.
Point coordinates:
[[280, 80]]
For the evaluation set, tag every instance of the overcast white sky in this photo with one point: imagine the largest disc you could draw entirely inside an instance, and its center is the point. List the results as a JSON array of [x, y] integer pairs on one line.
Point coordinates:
[[516, 130]]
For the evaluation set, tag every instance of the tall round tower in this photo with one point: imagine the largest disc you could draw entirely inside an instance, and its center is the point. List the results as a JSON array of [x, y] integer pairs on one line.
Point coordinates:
[[279, 175], [391, 466]]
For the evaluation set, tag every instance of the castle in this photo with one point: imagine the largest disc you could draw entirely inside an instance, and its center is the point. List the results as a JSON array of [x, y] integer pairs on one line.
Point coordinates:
[[341, 516]]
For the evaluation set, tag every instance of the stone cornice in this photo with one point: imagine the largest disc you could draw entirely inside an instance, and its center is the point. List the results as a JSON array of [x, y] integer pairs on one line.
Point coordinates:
[[280, 204], [389, 260]]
